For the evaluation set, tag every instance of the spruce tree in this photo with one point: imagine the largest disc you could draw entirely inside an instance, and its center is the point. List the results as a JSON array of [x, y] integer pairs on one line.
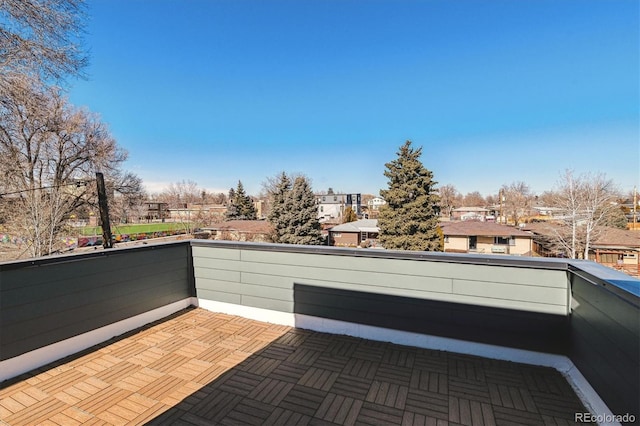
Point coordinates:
[[409, 220], [304, 227], [280, 212], [241, 206], [293, 212]]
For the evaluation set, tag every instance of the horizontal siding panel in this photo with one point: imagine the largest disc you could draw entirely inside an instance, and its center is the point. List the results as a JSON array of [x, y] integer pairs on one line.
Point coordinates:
[[90, 311], [508, 275], [121, 291], [81, 268], [218, 285], [546, 295], [510, 304], [216, 253], [219, 296], [207, 263], [285, 294], [103, 277], [217, 274], [25, 343], [540, 277], [273, 304], [268, 280], [372, 279]]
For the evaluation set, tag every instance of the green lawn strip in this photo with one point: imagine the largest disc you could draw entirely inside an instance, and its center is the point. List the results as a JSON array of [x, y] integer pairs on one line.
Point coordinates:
[[140, 228]]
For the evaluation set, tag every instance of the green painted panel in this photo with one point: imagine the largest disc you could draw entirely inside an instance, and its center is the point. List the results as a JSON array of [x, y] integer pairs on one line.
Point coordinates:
[[219, 296], [419, 267], [510, 304], [373, 279], [260, 302], [217, 274], [516, 292], [218, 285], [285, 294], [207, 263], [216, 253], [267, 280]]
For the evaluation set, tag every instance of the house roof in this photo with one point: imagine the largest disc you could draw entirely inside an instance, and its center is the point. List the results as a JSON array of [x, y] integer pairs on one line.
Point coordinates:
[[470, 209], [362, 225], [605, 236], [485, 229]]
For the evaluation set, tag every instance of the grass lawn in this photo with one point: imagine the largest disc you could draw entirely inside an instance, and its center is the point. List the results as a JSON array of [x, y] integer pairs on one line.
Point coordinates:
[[134, 228]]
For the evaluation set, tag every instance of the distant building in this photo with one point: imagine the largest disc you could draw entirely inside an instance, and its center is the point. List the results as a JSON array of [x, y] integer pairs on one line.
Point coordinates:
[[354, 234], [471, 213], [156, 210], [239, 230], [375, 203], [486, 237], [331, 207], [616, 248]]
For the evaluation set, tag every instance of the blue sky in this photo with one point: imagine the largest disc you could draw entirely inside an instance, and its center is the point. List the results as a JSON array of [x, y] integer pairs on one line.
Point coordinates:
[[217, 91]]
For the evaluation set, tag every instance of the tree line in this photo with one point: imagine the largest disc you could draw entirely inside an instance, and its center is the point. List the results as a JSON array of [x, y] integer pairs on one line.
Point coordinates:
[[50, 150]]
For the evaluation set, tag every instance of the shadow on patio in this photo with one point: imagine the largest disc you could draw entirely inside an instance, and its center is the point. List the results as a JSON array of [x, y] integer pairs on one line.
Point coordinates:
[[201, 368]]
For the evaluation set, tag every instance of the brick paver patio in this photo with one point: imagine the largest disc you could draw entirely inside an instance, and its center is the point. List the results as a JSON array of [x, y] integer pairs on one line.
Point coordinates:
[[204, 368]]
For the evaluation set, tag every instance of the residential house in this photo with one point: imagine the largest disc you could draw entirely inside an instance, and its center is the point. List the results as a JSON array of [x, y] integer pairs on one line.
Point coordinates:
[[239, 230], [485, 237], [470, 213], [331, 206], [360, 233], [612, 247], [375, 203]]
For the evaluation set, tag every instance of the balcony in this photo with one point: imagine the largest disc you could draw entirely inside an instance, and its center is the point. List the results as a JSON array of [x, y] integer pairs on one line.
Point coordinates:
[[204, 332]]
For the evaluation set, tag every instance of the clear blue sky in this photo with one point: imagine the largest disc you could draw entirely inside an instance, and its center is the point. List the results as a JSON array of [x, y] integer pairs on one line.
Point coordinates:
[[494, 91]]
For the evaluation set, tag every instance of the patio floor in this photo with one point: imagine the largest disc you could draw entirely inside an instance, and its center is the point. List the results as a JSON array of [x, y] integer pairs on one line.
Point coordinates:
[[202, 368]]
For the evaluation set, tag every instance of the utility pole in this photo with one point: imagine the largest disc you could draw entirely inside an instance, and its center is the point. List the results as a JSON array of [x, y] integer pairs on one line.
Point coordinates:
[[635, 203], [103, 206]]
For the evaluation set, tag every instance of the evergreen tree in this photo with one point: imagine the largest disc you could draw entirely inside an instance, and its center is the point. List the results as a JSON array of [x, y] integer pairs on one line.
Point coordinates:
[[281, 210], [409, 220], [241, 206], [294, 212]]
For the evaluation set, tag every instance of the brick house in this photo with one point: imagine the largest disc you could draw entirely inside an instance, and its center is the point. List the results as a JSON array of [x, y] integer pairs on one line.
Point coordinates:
[[354, 234]]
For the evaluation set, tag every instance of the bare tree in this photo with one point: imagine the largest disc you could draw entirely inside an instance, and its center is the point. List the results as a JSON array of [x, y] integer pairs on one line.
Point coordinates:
[[450, 198], [585, 203], [40, 38], [473, 199], [49, 152], [517, 201], [180, 194]]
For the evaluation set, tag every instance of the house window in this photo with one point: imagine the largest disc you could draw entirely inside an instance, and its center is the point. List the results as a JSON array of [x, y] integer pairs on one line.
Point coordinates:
[[335, 198], [501, 241], [363, 236], [336, 234], [321, 209], [446, 238]]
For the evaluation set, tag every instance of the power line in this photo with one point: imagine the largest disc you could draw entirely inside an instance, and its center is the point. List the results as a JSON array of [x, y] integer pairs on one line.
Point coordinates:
[[76, 184]]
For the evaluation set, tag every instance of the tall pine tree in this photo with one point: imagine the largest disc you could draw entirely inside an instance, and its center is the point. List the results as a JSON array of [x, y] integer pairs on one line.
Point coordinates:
[[281, 210], [293, 212], [241, 206], [409, 220]]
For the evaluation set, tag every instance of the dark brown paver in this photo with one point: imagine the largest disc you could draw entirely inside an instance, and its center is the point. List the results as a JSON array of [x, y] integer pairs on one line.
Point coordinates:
[[203, 368]]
